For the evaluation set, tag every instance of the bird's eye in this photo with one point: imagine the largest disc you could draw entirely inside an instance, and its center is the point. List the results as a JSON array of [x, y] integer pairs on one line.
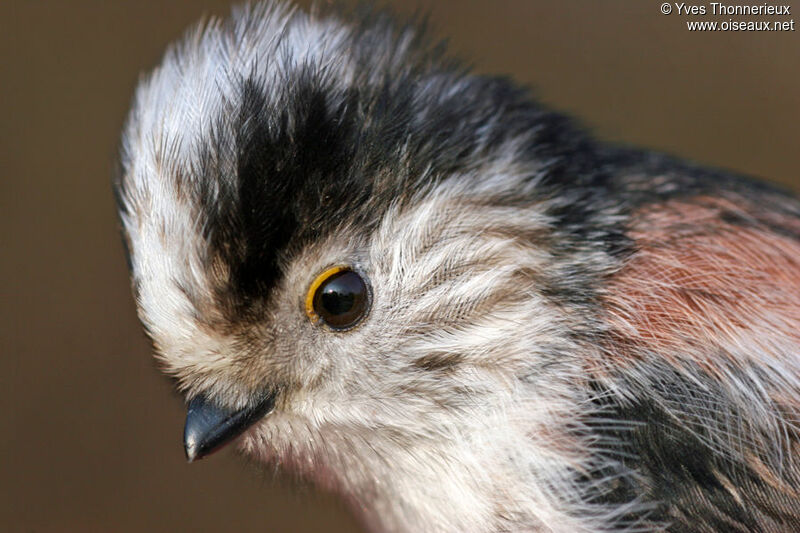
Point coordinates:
[[339, 297]]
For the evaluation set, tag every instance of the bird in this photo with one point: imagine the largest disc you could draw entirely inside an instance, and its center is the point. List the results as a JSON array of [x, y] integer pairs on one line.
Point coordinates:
[[422, 290]]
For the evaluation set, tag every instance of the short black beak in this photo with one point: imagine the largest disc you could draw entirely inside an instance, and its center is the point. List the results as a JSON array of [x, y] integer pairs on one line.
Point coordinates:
[[209, 427]]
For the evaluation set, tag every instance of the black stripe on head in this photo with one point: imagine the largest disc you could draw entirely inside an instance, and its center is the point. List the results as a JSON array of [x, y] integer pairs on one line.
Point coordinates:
[[292, 184]]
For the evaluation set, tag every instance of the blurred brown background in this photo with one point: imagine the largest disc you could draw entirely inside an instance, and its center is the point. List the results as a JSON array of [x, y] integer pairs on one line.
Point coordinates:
[[92, 433]]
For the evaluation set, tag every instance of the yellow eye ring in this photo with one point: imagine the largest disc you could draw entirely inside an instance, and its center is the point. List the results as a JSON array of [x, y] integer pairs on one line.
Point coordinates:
[[316, 284], [338, 297]]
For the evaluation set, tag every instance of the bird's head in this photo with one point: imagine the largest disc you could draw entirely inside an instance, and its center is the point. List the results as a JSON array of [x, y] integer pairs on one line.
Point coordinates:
[[350, 248]]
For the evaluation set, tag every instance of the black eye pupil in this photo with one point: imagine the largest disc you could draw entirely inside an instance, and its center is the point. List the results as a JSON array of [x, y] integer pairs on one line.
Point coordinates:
[[342, 299], [336, 303]]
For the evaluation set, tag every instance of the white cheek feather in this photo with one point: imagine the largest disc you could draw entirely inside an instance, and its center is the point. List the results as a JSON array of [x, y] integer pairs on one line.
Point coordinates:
[[503, 456], [164, 263]]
